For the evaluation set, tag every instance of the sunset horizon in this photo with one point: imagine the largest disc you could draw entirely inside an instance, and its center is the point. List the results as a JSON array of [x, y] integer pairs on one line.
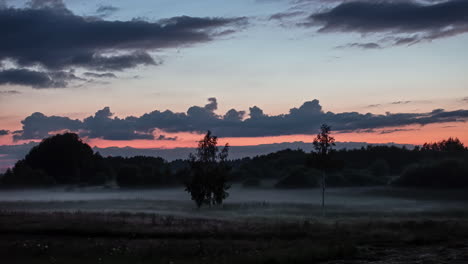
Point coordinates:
[[234, 131], [272, 71], [415, 132]]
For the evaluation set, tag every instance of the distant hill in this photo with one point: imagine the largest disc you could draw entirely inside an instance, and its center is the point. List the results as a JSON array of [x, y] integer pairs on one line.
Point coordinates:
[[234, 153], [9, 154], [64, 159]]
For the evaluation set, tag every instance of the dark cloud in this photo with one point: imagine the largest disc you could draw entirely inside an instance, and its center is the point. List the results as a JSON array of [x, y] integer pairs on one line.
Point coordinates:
[[4, 132], [204, 114], [398, 41], [286, 15], [38, 126], [347, 1], [256, 113], [100, 75], [381, 131], [407, 21], [113, 62], [389, 131], [400, 102], [106, 10], [36, 79], [301, 120], [102, 125], [370, 45], [164, 137], [234, 116], [46, 39]]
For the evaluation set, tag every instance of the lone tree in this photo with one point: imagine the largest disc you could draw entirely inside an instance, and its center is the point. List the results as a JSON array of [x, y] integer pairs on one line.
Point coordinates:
[[208, 172], [321, 158]]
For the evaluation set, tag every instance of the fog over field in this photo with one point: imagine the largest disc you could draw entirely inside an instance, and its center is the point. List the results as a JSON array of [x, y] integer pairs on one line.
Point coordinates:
[[225, 132], [243, 202]]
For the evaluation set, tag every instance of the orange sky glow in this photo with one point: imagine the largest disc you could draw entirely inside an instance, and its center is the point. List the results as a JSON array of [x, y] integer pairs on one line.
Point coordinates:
[[416, 135]]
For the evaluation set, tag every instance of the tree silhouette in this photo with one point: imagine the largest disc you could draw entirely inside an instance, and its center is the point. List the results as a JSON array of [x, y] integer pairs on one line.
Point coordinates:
[[60, 159], [208, 172], [321, 158], [452, 145]]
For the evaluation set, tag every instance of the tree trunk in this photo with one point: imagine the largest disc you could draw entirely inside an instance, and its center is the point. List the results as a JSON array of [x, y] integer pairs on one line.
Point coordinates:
[[323, 193]]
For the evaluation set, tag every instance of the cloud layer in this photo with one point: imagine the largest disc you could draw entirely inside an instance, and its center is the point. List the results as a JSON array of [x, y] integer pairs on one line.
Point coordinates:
[[403, 22], [45, 40], [301, 120]]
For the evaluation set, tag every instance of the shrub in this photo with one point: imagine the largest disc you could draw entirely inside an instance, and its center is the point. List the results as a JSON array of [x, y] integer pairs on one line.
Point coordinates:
[[442, 174]]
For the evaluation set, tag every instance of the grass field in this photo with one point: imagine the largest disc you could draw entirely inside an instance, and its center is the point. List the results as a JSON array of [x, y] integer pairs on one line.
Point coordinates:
[[373, 225]]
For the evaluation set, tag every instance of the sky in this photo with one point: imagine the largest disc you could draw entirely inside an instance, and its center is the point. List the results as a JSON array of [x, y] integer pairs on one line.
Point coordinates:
[[159, 74]]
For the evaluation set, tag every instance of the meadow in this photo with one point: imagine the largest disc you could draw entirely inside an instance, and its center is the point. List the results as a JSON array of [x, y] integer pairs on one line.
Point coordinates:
[[255, 225]]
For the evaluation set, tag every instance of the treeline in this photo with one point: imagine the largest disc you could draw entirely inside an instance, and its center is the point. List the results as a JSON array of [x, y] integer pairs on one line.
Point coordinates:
[[66, 160], [440, 164]]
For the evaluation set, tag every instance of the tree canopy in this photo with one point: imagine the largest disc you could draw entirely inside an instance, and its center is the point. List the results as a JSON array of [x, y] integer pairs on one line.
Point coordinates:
[[60, 159], [208, 172]]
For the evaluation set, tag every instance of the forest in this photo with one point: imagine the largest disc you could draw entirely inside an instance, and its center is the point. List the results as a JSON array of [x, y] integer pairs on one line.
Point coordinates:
[[65, 159]]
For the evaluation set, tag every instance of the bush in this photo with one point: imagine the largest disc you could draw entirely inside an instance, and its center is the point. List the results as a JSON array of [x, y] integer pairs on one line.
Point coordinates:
[[442, 174]]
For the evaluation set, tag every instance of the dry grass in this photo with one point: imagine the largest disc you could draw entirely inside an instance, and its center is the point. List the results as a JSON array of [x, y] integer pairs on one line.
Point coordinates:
[[149, 238]]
